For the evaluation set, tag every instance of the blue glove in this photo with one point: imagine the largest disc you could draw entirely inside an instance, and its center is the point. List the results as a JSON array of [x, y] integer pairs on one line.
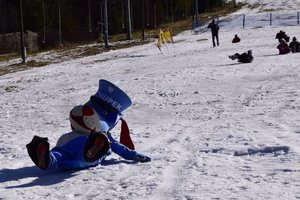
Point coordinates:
[[142, 158]]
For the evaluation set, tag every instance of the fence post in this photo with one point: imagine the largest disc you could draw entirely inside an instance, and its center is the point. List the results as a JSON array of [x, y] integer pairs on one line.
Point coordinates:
[[22, 33], [243, 20], [270, 19], [105, 25]]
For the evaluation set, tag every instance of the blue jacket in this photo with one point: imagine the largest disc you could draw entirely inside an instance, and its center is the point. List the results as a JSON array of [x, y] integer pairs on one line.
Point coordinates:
[[68, 152]]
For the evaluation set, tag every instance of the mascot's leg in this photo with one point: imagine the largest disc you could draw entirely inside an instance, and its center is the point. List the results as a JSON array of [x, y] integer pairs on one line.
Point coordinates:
[[38, 150], [96, 146]]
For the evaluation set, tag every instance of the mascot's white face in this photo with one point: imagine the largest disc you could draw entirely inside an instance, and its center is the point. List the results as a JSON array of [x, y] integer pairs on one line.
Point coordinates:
[[84, 119]]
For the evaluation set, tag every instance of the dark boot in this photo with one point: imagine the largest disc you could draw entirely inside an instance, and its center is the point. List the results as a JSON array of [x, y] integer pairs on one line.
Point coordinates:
[[38, 151], [97, 145], [232, 57]]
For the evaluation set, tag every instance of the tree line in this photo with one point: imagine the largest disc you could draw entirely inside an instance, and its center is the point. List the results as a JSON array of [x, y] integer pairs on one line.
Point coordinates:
[[81, 20]]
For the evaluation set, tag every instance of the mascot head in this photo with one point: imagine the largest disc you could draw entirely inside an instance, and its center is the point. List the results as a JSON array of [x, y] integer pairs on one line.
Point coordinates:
[[84, 119]]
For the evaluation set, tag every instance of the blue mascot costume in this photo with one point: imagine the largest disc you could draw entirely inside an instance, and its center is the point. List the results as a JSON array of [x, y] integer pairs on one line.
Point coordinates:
[[90, 140]]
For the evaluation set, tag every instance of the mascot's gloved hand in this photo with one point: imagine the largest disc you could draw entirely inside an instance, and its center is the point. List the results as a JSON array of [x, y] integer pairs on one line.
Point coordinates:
[[142, 158]]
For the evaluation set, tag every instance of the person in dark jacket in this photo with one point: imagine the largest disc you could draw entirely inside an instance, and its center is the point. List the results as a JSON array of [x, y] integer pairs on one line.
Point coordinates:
[[283, 47], [236, 39], [214, 32], [246, 57], [295, 45], [282, 35]]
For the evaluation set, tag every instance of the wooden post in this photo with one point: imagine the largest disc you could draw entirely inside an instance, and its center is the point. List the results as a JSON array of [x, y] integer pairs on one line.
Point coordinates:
[[59, 24], [143, 19], [129, 27], [105, 25], [22, 33]]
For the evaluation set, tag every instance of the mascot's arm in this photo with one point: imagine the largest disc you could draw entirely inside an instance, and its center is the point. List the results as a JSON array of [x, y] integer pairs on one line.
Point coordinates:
[[125, 152]]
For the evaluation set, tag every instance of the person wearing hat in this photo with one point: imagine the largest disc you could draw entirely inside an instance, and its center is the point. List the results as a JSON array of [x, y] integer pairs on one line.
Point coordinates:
[[295, 45], [282, 35], [283, 47], [245, 57], [89, 142], [236, 39], [110, 102]]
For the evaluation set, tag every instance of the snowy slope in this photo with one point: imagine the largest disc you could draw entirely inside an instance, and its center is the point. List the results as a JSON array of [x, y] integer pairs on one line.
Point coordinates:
[[194, 110]]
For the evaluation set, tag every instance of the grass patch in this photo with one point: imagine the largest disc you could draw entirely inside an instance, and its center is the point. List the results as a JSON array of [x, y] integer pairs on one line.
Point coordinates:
[[253, 6], [33, 63], [6, 57], [270, 10], [21, 67], [91, 51]]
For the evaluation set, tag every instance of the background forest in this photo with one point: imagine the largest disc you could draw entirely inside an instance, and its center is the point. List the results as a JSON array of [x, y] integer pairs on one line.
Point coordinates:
[[82, 20]]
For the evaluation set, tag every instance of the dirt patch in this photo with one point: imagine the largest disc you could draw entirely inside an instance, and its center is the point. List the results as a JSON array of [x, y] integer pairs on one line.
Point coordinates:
[[21, 67]]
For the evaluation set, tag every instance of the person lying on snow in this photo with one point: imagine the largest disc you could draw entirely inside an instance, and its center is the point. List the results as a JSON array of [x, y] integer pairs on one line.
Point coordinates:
[[89, 142], [246, 57]]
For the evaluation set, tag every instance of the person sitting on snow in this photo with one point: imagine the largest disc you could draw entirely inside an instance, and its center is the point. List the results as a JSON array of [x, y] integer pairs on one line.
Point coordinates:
[[295, 45], [236, 39], [246, 57], [283, 47], [282, 35], [90, 140]]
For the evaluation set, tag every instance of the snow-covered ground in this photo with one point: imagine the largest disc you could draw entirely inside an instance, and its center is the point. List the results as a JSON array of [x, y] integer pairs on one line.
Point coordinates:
[[214, 128]]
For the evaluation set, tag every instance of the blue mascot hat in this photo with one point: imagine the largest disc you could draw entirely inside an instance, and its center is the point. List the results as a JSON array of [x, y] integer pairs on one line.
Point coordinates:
[[109, 102]]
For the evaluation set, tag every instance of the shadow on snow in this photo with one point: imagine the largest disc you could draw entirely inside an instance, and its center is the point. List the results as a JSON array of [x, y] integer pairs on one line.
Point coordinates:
[[44, 178]]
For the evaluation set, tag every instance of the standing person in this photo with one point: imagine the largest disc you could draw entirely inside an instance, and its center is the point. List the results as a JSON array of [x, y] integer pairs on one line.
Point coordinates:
[[214, 32], [295, 45]]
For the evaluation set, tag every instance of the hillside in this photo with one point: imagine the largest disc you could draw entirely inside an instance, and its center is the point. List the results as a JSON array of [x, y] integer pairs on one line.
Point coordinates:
[[214, 128]]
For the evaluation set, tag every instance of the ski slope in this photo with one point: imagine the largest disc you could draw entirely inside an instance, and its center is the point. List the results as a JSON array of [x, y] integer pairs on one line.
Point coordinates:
[[194, 110]]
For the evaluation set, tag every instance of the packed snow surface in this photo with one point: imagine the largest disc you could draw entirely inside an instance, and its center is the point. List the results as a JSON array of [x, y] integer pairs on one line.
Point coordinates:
[[214, 128]]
